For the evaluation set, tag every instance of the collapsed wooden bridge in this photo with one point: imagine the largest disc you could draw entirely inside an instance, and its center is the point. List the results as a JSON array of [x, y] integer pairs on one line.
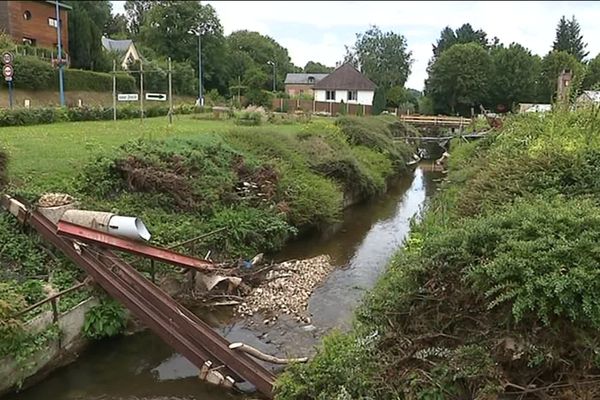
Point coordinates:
[[176, 325], [436, 121]]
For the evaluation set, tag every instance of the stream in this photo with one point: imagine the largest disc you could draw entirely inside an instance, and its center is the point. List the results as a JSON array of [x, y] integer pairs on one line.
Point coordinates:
[[142, 367]]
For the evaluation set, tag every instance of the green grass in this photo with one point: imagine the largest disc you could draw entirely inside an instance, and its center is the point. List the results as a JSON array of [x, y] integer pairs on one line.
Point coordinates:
[[47, 157]]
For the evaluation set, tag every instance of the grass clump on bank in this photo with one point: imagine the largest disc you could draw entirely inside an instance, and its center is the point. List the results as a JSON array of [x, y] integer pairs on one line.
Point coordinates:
[[495, 292], [262, 184]]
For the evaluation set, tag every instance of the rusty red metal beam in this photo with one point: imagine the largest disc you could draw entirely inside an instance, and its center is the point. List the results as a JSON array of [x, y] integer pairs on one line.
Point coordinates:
[[89, 235]]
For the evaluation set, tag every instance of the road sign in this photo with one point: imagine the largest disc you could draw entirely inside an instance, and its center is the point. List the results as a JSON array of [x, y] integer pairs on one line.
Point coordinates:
[[127, 97], [7, 57], [7, 71], [156, 96]]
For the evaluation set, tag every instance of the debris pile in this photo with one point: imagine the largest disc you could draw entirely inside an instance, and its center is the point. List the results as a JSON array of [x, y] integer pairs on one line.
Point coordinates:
[[55, 200], [287, 289]]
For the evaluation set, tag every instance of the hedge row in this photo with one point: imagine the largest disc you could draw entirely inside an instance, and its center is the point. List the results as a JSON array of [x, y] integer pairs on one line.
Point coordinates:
[[34, 74], [36, 116]]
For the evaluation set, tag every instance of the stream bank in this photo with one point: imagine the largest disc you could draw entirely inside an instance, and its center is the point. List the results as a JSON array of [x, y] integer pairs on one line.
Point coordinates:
[[143, 367]]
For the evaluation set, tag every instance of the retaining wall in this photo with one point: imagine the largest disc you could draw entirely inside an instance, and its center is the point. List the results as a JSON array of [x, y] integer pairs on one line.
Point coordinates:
[[57, 353]]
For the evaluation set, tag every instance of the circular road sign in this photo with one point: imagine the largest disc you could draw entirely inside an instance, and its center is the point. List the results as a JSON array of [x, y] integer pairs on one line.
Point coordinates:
[[7, 57], [7, 71]]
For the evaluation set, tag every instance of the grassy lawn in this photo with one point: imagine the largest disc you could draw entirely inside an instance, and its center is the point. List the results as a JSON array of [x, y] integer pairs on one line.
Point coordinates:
[[47, 157]]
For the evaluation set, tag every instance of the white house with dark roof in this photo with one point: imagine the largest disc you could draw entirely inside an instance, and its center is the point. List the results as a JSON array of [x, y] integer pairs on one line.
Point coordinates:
[[298, 84], [126, 48], [346, 84], [588, 98]]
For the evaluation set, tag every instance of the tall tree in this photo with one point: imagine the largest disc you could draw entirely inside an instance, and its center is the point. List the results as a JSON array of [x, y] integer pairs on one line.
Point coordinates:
[[459, 79], [569, 38], [552, 65], [317, 68], [136, 12], [170, 29], [382, 57], [116, 27], [592, 75], [462, 35], [263, 51], [515, 76], [87, 21]]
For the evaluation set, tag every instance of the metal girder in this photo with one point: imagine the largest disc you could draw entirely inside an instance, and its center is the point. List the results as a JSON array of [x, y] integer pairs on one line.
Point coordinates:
[[89, 235]]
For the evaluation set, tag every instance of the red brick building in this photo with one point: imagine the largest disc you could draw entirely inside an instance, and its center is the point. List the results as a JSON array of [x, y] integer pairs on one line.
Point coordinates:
[[34, 22]]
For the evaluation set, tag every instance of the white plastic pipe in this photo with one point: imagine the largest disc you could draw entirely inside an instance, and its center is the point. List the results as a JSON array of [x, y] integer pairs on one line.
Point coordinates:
[[130, 227]]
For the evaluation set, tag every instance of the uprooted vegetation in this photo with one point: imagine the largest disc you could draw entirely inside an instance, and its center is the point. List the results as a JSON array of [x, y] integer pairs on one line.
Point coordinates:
[[261, 184], [495, 292]]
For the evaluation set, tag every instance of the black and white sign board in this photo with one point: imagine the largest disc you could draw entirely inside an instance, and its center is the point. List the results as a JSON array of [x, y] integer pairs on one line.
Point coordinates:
[[7, 71], [127, 97], [156, 96], [7, 57]]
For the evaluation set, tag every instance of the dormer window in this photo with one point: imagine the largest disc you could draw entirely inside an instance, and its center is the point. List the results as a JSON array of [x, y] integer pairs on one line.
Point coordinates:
[[311, 79]]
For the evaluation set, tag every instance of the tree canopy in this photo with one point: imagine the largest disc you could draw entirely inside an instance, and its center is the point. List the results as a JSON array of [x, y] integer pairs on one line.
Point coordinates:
[[569, 38], [382, 57], [317, 68], [87, 23], [460, 78], [515, 76], [462, 35]]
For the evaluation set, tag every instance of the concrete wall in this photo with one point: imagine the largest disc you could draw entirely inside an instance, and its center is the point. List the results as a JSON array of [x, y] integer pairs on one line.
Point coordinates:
[[57, 353]]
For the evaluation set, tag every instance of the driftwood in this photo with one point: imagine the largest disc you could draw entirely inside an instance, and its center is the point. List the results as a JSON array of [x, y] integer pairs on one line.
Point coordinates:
[[265, 357]]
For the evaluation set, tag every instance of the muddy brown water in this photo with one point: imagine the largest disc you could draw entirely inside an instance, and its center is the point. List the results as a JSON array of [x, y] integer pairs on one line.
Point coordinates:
[[142, 367]]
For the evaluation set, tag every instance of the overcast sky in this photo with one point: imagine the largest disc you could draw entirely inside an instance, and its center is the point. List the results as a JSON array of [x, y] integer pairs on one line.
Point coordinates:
[[318, 31]]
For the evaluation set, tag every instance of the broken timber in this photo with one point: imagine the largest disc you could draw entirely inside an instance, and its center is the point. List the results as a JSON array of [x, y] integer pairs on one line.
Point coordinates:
[[176, 325]]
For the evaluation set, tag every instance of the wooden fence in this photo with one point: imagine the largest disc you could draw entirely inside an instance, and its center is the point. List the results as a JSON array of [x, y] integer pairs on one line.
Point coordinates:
[[320, 107]]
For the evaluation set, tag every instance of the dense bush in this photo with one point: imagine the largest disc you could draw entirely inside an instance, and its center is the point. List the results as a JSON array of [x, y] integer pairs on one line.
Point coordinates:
[[495, 290], [248, 118], [31, 73], [48, 115]]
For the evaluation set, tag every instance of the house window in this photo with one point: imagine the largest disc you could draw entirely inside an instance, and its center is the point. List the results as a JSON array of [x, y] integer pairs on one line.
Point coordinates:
[[52, 22], [28, 41], [330, 95], [311, 79], [352, 95], [27, 15]]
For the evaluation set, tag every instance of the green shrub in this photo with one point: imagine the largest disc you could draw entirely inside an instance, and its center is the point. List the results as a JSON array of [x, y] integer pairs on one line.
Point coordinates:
[[31, 73], [248, 118], [104, 320]]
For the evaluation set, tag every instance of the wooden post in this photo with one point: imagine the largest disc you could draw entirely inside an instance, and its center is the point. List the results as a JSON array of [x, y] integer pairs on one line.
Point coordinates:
[[142, 91], [114, 82], [170, 93]]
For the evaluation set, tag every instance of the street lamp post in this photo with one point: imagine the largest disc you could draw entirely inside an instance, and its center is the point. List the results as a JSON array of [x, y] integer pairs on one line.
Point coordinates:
[[61, 87], [200, 98], [273, 64]]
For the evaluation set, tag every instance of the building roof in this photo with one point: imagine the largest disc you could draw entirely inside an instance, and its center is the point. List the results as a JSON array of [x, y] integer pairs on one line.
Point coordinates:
[[345, 77], [120, 46], [593, 95], [61, 5], [302, 79]]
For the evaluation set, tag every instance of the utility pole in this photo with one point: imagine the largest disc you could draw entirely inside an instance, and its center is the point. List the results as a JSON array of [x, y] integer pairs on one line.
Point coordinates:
[[142, 91], [170, 93], [60, 63], [200, 99], [114, 90], [274, 76]]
